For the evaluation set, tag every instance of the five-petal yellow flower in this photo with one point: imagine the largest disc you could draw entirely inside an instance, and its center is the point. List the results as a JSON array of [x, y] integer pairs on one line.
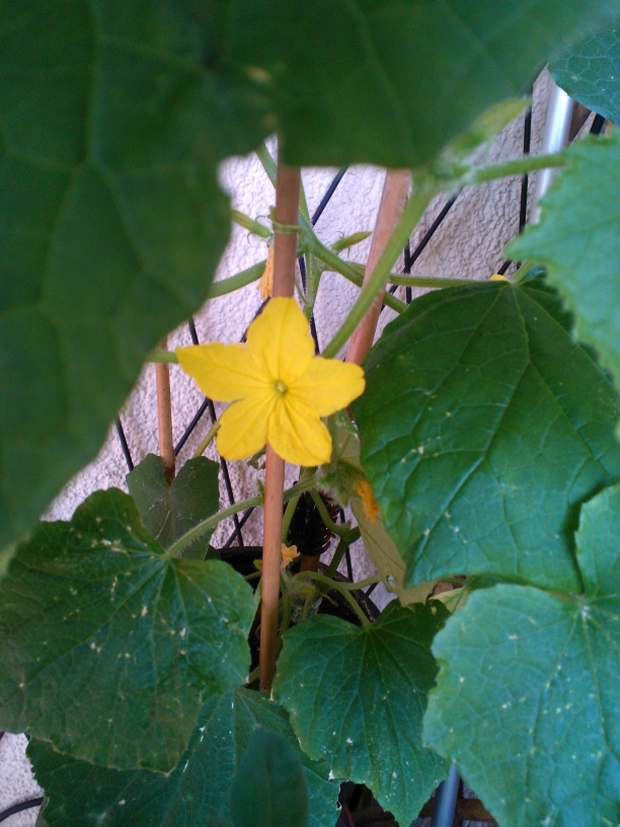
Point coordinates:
[[278, 388]]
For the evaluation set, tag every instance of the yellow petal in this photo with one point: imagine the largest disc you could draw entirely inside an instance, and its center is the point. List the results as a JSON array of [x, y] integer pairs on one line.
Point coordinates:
[[243, 426], [328, 385], [280, 341], [297, 434], [265, 285], [289, 553], [222, 372]]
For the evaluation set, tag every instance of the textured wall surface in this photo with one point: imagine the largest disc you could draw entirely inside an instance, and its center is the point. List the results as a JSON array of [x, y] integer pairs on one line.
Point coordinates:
[[468, 244]]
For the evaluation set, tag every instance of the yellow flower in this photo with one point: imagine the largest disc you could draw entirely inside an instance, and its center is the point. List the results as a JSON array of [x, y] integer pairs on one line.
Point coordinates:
[[279, 389], [289, 553], [371, 506]]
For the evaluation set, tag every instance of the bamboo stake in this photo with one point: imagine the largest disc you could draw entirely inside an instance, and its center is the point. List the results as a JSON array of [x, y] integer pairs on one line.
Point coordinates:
[[393, 198], [164, 418], [285, 253]]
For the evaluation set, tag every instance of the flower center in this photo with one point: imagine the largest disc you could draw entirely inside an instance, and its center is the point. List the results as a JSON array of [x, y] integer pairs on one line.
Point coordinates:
[[280, 387]]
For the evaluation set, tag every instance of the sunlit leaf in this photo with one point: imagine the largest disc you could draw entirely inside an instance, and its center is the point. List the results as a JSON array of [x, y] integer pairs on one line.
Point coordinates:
[[483, 428], [356, 697], [79, 793], [108, 646], [526, 701]]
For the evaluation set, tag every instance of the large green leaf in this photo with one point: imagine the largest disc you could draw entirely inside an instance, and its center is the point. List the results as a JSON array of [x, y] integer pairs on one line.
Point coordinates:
[[169, 511], [527, 695], [356, 697], [111, 217], [483, 428], [590, 72], [109, 646], [392, 83], [79, 793], [269, 789], [578, 239]]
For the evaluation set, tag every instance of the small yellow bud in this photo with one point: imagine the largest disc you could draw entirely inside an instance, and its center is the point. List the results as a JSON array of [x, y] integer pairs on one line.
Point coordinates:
[[289, 553], [498, 277]]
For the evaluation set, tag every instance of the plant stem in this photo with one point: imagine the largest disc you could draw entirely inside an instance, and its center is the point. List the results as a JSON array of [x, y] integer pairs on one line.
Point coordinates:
[[235, 508], [221, 288], [391, 206], [517, 166], [412, 213], [338, 555], [338, 530], [288, 182], [334, 584], [161, 356], [208, 439], [431, 281], [352, 272], [250, 224]]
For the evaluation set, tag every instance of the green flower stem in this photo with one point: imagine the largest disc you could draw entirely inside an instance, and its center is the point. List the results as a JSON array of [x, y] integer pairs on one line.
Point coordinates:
[[235, 508], [161, 356], [419, 201], [210, 436], [269, 165], [522, 272], [340, 531], [307, 474], [221, 288], [338, 555], [431, 281], [361, 584], [517, 166], [334, 584], [351, 272], [250, 224]]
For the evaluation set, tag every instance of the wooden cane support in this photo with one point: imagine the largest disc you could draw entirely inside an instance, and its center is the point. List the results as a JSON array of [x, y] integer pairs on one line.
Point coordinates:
[[285, 254], [164, 419]]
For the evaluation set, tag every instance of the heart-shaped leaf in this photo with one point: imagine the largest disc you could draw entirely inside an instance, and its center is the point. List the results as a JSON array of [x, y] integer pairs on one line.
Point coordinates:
[[169, 511], [578, 240], [356, 697], [108, 646], [526, 701], [79, 793], [483, 428]]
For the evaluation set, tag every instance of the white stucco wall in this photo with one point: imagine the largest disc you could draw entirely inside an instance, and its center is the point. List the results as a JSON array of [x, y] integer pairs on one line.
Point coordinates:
[[469, 244]]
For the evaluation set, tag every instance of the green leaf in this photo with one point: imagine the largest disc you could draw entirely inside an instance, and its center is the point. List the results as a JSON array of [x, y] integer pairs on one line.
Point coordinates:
[[589, 71], [527, 695], [113, 123], [80, 793], [269, 789], [577, 239], [109, 646], [356, 697], [169, 511], [392, 84], [483, 428]]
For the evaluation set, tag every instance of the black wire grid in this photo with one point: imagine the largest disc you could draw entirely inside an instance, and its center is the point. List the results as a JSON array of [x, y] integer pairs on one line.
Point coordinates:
[[445, 815]]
